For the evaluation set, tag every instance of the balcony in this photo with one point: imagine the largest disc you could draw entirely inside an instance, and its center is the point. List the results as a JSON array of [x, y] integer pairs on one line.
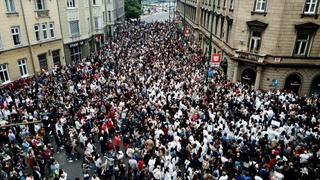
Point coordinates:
[[253, 57], [43, 13]]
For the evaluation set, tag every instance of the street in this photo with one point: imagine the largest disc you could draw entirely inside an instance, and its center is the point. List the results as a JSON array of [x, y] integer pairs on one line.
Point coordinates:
[[160, 16]]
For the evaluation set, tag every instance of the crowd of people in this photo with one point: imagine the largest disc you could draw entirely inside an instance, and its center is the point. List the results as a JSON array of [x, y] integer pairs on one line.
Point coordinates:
[[139, 108]]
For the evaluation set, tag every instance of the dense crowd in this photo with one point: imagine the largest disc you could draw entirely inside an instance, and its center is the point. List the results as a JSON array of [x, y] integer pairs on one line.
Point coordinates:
[[139, 108]]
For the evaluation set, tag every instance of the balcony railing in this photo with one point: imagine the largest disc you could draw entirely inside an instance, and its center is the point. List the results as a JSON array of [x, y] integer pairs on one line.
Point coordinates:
[[250, 56], [42, 13]]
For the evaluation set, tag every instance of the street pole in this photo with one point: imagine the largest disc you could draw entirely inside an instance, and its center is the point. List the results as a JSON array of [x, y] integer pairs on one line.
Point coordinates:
[[169, 10], [210, 42], [184, 15]]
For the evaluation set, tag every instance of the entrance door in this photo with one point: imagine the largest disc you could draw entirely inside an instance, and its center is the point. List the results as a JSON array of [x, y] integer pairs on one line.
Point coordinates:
[[315, 86], [293, 83], [248, 76], [224, 66], [43, 61], [56, 57], [75, 53]]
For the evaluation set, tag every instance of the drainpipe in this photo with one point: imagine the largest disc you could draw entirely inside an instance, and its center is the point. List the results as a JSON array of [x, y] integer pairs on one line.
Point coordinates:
[[28, 39], [92, 27], [61, 33]]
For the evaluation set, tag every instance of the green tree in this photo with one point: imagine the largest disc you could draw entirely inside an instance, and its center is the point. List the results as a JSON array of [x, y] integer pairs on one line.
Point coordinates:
[[133, 9]]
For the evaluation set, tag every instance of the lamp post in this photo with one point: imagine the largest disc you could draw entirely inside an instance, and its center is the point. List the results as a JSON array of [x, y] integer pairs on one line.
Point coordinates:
[[210, 42]]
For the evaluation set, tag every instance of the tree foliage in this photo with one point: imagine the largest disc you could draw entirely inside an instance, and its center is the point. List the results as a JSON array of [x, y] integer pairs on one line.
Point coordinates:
[[133, 9]]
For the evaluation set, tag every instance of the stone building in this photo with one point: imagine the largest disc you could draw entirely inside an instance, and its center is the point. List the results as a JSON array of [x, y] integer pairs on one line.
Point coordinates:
[[30, 38], [86, 25], [267, 43]]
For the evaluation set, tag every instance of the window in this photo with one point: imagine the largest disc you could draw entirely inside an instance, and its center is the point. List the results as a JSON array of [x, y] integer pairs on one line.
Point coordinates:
[[229, 28], [4, 74], [44, 30], [51, 29], [22, 63], [89, 25], [109, 14], [216, 27], [255, 41], [231, 4], [15, 31], [75, 53], [95, 2], [221, 28], [71, 3], [96, 23], [261, 5], [218, 3], [43, 61], [302, 44], [208, 20], [56, 57], [36, 30], [74, 28], [10, 6], [41, 5], [224, 3], [310, 6]]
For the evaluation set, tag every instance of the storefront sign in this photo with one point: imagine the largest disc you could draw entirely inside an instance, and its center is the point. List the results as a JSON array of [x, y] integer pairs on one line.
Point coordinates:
[[215, 59], [72, 45]]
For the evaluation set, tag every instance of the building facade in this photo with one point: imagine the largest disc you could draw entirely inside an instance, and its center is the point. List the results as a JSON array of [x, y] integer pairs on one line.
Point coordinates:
[[30, 38], [115, 14], [266, 43], [84, 26]]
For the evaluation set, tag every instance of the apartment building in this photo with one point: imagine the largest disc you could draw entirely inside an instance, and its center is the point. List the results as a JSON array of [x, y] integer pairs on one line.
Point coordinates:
[[266, 43], [30, 38], [84, 25], [115, 14]]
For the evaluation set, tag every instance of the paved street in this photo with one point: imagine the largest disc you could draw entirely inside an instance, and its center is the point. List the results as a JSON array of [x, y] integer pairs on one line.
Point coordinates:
[[160, 16]]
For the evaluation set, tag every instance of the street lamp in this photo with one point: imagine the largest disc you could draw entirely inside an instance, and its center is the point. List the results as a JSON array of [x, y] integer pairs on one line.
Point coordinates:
[[210, 42]]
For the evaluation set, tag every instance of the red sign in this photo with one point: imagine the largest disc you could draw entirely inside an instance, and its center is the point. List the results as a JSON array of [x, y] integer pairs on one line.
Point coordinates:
[[216, 58], [187, 32]]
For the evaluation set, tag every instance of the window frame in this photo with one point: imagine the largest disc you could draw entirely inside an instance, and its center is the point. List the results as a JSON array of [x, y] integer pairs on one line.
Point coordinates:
[[300, 41], [4, 69], [44, 31], [23, 67], [18, 34], [52, 32], [231, 5], [96, 23], [255, 8], [71, 4], [37, 31], [255, 38], [10, 6], [316, 7], [73, 34], [43, 4]]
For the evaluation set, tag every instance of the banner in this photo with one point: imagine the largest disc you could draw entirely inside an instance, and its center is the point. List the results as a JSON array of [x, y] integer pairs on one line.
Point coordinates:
[[215, 59]]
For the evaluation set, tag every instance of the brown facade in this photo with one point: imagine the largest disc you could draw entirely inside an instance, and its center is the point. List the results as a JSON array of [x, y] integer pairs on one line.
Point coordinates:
[[267, 43]]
